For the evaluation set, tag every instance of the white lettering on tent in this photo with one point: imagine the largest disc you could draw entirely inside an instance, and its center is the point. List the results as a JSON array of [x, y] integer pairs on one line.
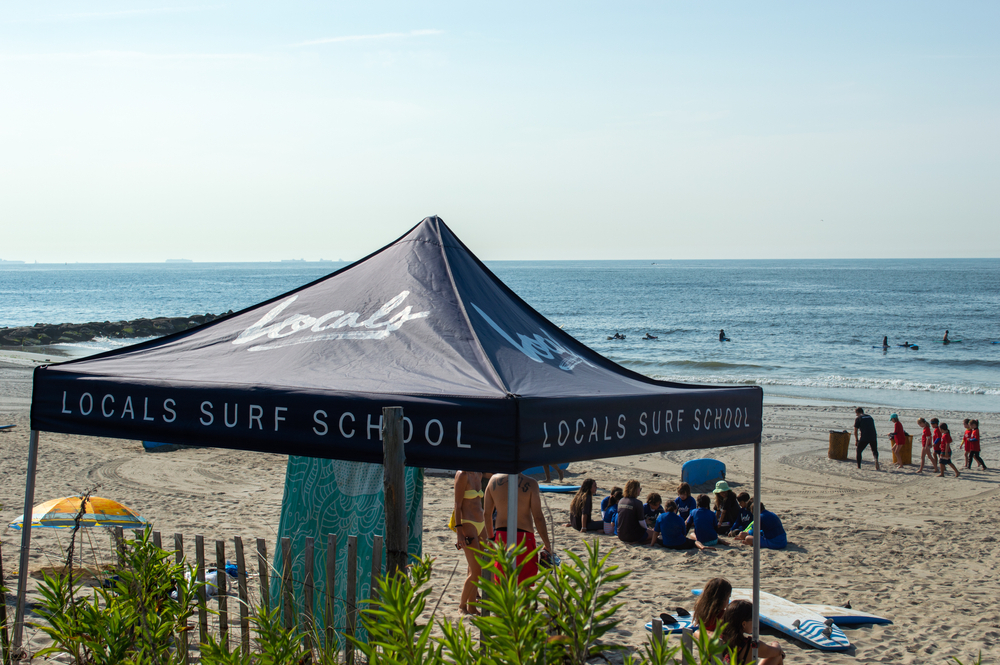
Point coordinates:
[[459, 439], [440, 433], [145, 409], [278, 418], [537, 347], [256, 413], [90, 404], [105, 412], [173, 414], [211, 418], [343, 432], [316, 419], [377, 428], [128, 408], [303, 328], [64, 409], [545, 441]]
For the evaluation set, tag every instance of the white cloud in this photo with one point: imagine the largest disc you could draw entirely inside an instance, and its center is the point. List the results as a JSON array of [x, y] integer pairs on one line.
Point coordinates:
[[381, 36]]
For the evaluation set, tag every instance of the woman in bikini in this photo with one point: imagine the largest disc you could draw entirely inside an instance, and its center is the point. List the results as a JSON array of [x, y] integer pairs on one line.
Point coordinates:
[[470, 528]]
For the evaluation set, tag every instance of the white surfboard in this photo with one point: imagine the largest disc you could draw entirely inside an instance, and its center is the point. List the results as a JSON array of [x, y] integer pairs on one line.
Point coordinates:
[[845, 616], [796, 621], [680, 624]]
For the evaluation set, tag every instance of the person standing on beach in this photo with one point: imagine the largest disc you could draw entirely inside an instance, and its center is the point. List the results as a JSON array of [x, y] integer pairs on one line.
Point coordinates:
[[945, 457], [865, 435], [471, 529], [926, 445], [529, 517], [974, 445], [898, 439]]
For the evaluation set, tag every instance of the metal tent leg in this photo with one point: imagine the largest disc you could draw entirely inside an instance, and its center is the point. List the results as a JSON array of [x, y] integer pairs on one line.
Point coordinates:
[[22, 573], [756, 543], [512, 487]]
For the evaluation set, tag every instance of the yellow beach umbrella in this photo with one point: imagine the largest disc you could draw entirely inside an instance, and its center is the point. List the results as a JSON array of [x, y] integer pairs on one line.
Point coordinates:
[[97, 511]]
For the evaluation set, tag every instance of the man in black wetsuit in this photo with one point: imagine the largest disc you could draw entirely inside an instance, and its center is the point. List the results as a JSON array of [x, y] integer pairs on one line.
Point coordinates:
[[865, 424]]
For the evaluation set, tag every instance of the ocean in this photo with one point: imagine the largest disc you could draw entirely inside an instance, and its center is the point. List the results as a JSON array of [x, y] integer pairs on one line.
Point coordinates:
[[804, 330]]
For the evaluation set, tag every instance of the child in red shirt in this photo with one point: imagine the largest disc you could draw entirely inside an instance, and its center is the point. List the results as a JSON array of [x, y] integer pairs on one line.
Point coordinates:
[[973, 441], [965, 444], [926, 445], [898, 438], [945, 456]]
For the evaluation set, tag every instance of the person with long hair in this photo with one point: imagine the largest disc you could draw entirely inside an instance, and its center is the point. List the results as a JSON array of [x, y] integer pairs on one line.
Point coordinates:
[[712, 604], [631, 522], [472, 530], [727, 508], [738, 624], [581, 507]]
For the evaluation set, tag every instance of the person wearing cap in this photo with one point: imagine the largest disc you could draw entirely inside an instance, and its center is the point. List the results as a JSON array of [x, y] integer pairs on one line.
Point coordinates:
[[865, 435], [898, 438], [727, 508]]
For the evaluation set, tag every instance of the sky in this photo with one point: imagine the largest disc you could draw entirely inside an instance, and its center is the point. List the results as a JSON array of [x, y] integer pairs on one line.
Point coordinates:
[[147, 131]]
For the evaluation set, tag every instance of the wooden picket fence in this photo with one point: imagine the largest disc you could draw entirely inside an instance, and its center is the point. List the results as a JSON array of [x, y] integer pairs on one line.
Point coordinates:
[[222, 630]]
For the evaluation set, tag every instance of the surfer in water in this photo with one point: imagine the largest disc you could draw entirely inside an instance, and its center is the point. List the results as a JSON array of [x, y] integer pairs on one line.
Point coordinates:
[[722, 335], [648, 336], [946, 340], [885, 342]]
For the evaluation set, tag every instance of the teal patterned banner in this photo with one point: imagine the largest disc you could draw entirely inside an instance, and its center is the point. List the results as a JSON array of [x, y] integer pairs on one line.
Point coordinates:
[[325, 496]]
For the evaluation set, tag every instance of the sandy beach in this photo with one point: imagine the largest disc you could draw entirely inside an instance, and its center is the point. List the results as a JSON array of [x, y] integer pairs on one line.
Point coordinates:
[[917, 549]]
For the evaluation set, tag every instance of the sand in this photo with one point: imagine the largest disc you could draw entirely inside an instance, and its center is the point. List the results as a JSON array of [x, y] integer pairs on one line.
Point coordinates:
[[917, 549]]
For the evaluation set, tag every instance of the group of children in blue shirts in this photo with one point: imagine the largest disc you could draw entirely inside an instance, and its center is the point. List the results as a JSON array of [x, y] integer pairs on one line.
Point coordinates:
[[671, 522]]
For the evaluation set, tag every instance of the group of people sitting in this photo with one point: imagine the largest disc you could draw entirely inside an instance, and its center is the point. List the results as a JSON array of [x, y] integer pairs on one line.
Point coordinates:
[[624, 515], [714, 609]]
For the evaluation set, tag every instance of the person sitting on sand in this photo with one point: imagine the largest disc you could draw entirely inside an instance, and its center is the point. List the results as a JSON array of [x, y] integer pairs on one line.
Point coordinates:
[[581, 506], [652, 509], [898, 438], [772, 533], [631, 523], [611, 500], [702, 519], [944, 459], [926, 445], [711, 604], [746, 513], [673, 533], [685, 502], [738, 625], [727, 508]]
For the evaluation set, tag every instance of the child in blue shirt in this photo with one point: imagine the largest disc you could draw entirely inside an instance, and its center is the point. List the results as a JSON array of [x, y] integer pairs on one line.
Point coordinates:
[[611, 500], [652, 509], [611, 520], [685, 502], [746, 514], [772, 533], [673, 532], [702, 519]]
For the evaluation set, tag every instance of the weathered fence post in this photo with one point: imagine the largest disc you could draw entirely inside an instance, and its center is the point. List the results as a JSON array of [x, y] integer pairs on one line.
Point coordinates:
[[331, 577], [156, 540], [241, 585], [376, 568], [199, 553], [182, 645], [307, 594], [4, 638], [351, 601], [221, 581], [395, 489], [287, 592], [265, 574], [657, 636]]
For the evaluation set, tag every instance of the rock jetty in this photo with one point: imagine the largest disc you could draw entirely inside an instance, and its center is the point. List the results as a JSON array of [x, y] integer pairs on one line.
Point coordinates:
[[42, 334]]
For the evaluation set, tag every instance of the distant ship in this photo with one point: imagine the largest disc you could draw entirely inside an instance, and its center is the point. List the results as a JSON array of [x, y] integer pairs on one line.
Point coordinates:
[[5, 261]]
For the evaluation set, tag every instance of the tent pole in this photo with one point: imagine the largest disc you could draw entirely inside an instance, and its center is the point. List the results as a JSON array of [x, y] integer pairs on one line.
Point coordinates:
[[512, 483], [756, 543], [22, 573]]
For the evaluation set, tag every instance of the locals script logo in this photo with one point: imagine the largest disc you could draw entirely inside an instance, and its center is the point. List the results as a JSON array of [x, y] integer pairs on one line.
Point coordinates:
[[538, 347], [338, 324]]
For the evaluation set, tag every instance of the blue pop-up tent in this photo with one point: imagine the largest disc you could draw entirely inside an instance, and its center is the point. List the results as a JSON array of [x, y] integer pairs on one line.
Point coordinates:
[[486, 382]]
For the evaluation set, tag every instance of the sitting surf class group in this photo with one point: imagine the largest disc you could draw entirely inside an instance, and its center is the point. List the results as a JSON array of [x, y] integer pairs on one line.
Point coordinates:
[[935, 442], [680, 524]]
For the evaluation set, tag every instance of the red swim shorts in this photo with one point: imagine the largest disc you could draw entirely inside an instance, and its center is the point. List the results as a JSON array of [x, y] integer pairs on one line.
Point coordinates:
[[531, 567]]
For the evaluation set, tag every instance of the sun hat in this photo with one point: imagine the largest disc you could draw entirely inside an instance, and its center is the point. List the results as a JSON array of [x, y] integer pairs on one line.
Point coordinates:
[[721, 486], [894, 417]]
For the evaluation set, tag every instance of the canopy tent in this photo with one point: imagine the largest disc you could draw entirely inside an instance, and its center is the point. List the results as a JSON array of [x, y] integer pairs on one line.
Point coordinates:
[[486, 382]]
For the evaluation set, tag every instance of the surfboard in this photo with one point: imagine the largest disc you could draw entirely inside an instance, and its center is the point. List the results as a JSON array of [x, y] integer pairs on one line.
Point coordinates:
[[668, 628], [537, 469], [796, 621], [558, 489], [845, 616], [950, 341]]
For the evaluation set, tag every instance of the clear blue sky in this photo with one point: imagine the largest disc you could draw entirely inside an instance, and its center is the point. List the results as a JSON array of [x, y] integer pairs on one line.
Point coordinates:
[[142, 131]]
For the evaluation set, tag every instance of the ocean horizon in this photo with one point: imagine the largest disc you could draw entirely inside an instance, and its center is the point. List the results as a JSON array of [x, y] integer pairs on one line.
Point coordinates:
[[803, 329]]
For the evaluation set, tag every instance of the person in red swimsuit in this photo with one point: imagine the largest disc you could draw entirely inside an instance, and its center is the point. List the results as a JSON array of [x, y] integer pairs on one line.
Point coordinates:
[[529, 517]]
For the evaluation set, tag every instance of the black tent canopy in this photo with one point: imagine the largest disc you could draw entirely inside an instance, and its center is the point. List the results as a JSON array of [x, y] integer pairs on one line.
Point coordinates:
[[485, 381]]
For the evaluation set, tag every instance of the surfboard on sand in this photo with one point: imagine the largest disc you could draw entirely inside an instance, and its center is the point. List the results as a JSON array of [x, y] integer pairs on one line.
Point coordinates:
[[845, 616], [558, 489], [796, 621]]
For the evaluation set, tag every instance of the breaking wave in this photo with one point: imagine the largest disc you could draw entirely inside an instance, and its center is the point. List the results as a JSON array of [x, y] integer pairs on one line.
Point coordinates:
[[837, 381]]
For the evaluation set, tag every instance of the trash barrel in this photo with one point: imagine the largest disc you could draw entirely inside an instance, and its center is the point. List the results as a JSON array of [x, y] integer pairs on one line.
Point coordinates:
[[840, 442], [906, 452]]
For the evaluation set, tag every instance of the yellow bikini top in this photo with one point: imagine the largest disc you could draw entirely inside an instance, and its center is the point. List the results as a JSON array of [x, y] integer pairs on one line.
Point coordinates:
[[474, 494]]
